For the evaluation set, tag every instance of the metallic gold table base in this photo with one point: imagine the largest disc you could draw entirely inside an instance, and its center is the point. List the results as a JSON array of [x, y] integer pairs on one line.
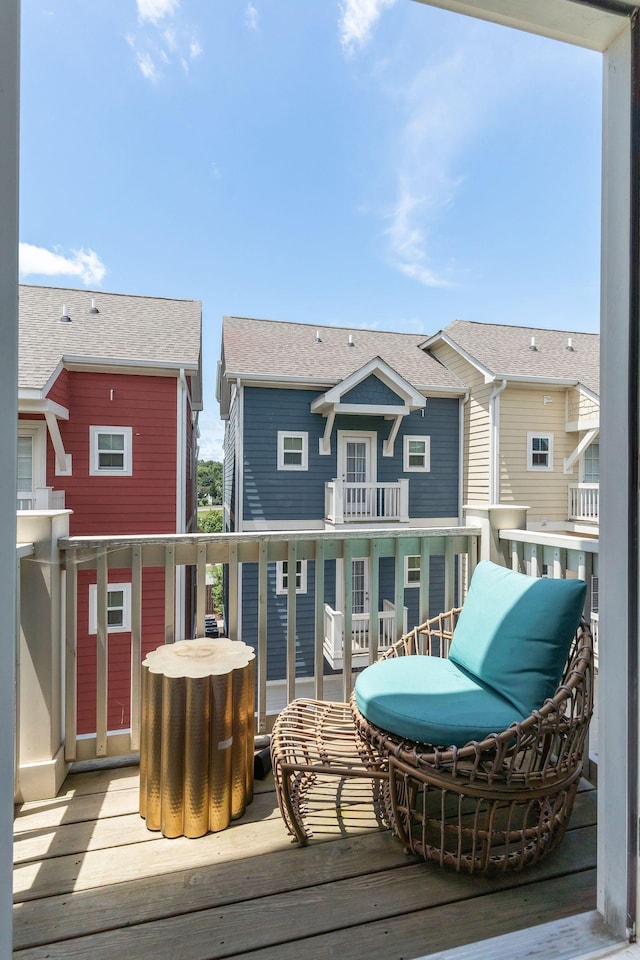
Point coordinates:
[[196, 748]]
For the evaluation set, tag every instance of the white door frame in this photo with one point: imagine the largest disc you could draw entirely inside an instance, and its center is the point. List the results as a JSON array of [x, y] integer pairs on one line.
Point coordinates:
[[344, 436]]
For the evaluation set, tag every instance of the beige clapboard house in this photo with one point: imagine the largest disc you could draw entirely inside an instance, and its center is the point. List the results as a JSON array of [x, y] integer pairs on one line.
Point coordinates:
[[531, 419]]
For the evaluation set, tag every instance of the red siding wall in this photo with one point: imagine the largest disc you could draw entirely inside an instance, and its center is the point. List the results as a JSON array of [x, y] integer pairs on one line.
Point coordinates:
[[59, 391], [119, 649], [144, 502]]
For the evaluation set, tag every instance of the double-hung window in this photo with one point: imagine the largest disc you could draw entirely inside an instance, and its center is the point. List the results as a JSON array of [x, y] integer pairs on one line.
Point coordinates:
[[110, 451], [412, 571], [293, 450], [118, 608], [417, 454], [282, 576], [539, 451]]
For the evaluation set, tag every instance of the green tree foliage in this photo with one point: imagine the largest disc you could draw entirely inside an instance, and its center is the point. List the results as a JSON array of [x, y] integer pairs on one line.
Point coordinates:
[[210, 522], [209, 481]]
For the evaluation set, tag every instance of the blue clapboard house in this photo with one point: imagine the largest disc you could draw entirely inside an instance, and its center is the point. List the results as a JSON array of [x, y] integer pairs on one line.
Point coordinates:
[[326, 429]]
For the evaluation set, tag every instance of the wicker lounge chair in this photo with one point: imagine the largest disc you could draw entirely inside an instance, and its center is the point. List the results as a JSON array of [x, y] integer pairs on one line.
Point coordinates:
[[497, 800], [499, 795]]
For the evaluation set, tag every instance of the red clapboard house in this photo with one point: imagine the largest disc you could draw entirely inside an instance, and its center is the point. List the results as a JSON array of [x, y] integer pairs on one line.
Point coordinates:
[[110, 386]]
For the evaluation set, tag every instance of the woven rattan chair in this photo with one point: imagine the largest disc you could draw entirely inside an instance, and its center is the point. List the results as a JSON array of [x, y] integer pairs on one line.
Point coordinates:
[[501, 801]]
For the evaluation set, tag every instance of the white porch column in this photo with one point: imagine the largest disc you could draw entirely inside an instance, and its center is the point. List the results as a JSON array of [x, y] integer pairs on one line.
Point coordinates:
[[41, 766]]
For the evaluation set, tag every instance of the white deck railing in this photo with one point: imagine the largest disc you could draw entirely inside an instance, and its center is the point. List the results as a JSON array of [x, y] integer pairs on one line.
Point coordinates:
[[172, 552], [366, 502], [584, 502], [360, 624]]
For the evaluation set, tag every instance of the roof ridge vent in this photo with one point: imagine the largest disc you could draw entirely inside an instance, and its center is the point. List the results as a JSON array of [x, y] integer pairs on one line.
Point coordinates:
[[532, 345], [65, 318], [570, 345], [93, 309]]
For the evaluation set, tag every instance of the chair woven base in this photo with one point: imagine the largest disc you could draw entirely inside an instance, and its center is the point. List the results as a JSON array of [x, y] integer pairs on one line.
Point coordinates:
[[477, 834], [314, 739]]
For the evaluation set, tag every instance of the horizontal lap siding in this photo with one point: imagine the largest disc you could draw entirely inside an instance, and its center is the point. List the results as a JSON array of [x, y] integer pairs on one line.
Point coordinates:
[[119, 649], [523, 411], [476, 425], [144, 502], [269, 493], [59, 390]]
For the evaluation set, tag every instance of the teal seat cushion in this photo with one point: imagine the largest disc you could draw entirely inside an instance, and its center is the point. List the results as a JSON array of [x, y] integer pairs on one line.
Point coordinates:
[[431, 700], [514, 632]]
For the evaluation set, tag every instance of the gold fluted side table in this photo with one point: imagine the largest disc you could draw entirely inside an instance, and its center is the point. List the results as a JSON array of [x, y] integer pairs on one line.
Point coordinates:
[[196, 743]]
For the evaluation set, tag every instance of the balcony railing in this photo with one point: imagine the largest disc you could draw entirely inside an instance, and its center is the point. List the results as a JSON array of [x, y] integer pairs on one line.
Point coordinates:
[[367, 502], [172, 553], [42, 498], [360, 626], [584, 502], [55, 571]]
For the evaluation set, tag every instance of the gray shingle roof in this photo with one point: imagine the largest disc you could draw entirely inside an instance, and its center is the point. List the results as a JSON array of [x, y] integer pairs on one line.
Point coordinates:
[[289, 351], [134, 328], [505, 351]]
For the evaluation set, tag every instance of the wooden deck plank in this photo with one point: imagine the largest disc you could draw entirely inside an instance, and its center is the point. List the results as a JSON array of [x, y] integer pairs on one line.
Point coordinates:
[[444, 927], [321, 909]]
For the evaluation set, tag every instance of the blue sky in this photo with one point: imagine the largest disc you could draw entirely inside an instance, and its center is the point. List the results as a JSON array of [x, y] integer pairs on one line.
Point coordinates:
[[367, 163]]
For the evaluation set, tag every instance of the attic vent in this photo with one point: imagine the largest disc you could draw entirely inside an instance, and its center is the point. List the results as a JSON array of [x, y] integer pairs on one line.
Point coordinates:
[[65, 318], [351, 343], [532, 345], [93, 309], [569, 344], [318, 337]]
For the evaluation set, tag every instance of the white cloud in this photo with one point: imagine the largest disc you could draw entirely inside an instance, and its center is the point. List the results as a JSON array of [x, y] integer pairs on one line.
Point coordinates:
[[156, 10], [357, 18], [161, 40], [251, 17], [148, 68], [441, 116], [38, 261]]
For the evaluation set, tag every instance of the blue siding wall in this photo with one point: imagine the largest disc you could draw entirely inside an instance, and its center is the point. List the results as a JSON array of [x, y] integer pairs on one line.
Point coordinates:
[[229, 469], [373, 391], [277, 618], [271, 494]]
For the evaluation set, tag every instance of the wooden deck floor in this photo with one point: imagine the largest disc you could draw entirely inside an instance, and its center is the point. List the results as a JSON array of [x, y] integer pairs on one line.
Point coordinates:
[[92, 882]]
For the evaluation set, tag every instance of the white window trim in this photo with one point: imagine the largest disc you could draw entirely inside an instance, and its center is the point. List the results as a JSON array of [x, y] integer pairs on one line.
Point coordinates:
[[410, 584], [94, 469], [126, 609], [427, 454], [536, 434], [281, 589], [302, 435]]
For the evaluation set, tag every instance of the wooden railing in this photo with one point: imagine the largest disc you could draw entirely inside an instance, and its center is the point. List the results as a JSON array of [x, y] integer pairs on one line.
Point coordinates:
[[584, 502], [366, 502], [557, 556], [174, 553], [360, 624]]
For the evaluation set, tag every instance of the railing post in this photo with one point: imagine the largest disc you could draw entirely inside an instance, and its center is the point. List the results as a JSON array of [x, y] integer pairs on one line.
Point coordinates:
[[492, 518], [404, 501], [41, 766], [338, 501]]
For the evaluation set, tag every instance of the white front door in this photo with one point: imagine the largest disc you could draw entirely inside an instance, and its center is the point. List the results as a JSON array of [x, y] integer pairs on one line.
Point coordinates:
[[359, 586], [357, 468]]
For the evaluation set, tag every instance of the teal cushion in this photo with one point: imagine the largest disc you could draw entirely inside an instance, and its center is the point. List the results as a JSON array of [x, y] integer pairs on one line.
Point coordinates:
[[431, 700], [514, 632]]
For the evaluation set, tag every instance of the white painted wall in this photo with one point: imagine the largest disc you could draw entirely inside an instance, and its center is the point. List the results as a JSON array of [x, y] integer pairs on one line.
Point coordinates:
[[9, 72]]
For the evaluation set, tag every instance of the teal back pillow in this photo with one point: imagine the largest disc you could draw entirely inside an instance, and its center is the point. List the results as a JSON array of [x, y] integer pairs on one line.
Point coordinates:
[[514, 632]]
